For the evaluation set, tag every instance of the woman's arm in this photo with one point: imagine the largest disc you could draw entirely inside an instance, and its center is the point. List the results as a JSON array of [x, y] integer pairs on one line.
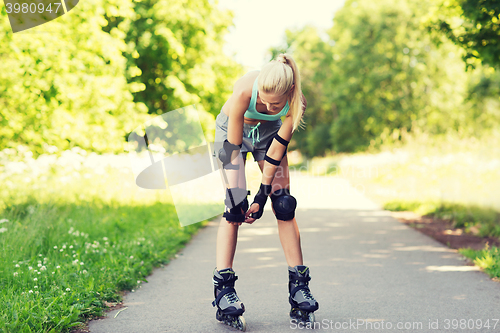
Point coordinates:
[[277, 150], [236, 106]]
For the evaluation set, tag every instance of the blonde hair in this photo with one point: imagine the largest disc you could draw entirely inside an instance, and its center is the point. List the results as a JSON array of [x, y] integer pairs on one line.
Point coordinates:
[[278, 77]]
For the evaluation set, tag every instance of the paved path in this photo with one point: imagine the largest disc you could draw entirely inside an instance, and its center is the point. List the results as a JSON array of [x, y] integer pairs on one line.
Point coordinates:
[[369, 273]]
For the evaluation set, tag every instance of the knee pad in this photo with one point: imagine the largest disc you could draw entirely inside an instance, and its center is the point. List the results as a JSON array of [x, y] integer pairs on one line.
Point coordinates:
[[234, 214], [284, 204]]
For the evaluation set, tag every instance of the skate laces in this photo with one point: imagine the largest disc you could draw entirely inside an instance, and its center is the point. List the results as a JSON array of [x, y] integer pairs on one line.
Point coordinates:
[[301, 283], [307, 294], [232, 298]]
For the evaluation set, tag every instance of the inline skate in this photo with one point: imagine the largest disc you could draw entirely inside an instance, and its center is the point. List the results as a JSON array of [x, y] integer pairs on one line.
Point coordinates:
[[229, 306], [300, 298]]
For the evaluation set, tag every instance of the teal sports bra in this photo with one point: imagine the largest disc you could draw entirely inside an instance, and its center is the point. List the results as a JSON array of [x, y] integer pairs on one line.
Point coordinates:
[[252, 112]]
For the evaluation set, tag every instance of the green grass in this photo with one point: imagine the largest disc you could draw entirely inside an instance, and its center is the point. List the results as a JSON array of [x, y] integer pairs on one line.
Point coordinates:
[[487, 259], [72, 237], [485, 220]]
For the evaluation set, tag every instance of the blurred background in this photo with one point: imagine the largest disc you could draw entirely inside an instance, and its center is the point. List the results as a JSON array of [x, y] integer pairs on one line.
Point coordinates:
[[378, 76]]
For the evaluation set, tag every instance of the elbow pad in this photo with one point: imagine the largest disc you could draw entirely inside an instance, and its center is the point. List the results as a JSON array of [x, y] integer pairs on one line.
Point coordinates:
[[225, 154], [283, 142]]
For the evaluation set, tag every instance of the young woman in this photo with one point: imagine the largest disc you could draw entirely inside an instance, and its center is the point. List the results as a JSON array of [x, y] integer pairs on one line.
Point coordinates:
[[250, 121]]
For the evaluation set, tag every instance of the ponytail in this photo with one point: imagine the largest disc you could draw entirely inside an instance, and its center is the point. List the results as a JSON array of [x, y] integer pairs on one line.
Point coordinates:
[[278, 77]]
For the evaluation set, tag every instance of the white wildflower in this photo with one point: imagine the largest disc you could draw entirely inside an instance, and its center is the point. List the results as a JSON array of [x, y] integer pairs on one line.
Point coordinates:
[[58, 267], [2, 230], [67, 289], [30, 268], [84, 271], [43, 268], [36, 287], [3, 221], [31, 291], [105, 238], [17, 265], [81, 263], [55, 247], [40, 264], [35, 279], [16, 273]]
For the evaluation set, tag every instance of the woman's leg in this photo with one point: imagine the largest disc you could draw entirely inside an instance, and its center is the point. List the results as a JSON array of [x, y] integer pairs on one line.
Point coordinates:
[[227, 235], [288, 230]]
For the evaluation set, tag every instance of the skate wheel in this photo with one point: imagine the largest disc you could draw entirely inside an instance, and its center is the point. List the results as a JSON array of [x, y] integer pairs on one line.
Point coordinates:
[[242, 324]]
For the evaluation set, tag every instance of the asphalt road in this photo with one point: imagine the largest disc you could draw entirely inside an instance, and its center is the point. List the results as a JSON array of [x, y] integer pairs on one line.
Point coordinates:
[[369, 274]]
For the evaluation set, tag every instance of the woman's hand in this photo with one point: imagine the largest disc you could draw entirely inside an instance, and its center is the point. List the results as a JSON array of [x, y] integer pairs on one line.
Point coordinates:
[[253, 209]]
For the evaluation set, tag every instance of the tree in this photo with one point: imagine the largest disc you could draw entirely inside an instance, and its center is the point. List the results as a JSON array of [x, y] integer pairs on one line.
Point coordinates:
[[391, 77], [175, 55], [473, 25], [63, 83]]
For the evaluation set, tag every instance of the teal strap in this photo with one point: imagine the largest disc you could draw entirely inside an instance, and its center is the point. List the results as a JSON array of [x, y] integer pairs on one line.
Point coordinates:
[[252, 132], [253, 100]]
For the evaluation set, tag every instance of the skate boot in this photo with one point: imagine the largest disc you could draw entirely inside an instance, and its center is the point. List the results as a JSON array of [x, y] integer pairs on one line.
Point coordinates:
[[229, 306], [300, 298]]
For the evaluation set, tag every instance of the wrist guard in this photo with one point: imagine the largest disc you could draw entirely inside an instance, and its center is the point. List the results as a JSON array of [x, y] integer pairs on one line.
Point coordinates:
[[261, 199]]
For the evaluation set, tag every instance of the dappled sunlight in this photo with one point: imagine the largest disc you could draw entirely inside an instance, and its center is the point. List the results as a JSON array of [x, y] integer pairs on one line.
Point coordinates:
[[256, 231], [260, 250], [374, 213], [347, 260], [245, 239], [334, 225], [267, 266], [377, 256], [424, 248], [341, 237], [452, 268], [368, 242], [313, 230]]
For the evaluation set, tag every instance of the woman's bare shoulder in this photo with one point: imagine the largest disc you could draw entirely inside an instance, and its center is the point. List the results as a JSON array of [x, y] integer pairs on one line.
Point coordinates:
[[243, 87]]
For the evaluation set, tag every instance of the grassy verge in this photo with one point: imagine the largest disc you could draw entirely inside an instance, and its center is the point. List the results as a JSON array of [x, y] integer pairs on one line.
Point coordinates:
[[487, 259], [479, 220], [72, 236]]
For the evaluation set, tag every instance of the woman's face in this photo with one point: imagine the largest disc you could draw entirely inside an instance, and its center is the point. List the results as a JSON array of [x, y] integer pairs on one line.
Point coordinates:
[[273, 102]]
